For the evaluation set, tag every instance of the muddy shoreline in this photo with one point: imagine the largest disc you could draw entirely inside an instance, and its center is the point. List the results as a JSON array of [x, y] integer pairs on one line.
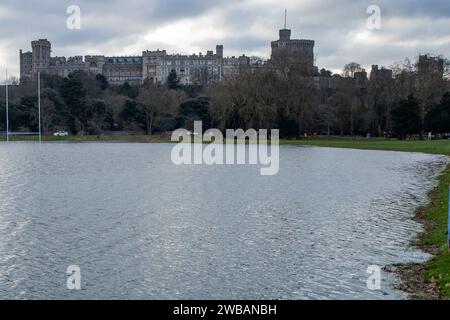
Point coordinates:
[[412, 275]]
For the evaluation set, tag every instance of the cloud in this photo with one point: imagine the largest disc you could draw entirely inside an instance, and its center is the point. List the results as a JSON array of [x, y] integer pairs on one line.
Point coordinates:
[[118, 27]]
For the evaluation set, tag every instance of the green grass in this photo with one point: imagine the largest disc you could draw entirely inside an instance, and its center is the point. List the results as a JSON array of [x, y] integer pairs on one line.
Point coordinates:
[[92, 138], [437, 270], [434, 147]]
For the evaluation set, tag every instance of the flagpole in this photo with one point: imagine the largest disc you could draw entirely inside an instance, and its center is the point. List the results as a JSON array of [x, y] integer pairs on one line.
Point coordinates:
[[39, 106], [7, 108]]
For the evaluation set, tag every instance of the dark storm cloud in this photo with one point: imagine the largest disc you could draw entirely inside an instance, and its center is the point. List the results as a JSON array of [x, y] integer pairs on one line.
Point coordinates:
[[243, 26]]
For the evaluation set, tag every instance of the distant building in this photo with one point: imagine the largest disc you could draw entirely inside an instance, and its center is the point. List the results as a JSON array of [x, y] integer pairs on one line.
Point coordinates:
[[294, 52], [26, 64], [429, 66], [152, 65], [155, 66], [382, 74], [116, 69], [191, 69]]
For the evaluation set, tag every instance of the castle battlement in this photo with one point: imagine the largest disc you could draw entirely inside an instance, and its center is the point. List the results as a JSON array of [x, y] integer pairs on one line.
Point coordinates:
[[156, 65]]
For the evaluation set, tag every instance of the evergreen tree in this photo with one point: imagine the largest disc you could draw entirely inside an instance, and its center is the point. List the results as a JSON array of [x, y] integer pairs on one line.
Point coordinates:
[[438, 117], [173, 82], [406, 117]]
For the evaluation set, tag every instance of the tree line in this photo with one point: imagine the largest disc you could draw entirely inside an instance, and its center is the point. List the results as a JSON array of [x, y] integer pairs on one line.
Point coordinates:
[[276, 96]]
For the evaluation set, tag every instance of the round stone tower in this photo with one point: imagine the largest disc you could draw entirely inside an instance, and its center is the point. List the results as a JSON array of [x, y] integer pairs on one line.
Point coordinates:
[[297, 53]]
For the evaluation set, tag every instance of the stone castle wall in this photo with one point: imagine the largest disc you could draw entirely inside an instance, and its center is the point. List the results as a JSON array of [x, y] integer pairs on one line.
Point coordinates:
[[155, 66], [152, 65]]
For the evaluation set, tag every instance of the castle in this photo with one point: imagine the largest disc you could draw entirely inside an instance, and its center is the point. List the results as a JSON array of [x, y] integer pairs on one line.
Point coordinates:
[[155, 66], [294, 51]]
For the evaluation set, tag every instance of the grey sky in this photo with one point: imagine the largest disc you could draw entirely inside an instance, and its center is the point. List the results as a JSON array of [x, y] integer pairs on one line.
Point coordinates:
[[120, 27]]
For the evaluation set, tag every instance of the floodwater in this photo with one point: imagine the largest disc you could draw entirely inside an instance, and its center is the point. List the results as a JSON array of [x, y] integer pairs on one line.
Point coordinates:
[[140, 227]]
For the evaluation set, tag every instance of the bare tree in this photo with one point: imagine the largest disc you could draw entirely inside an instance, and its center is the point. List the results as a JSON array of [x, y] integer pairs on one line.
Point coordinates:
[[350, 69], [155, 100]]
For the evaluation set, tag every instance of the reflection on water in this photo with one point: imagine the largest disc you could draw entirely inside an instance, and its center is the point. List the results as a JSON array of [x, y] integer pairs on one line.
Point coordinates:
[[140, 227]]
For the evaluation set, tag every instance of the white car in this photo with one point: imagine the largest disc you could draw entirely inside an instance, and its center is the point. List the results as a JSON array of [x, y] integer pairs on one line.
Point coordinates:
[[61, 134]]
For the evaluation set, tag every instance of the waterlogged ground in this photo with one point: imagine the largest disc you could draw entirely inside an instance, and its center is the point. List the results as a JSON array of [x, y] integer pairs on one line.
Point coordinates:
[[140, 227]]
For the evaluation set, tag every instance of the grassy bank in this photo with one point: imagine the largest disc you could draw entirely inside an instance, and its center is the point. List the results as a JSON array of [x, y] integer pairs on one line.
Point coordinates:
[[433, 147], [434, 216], [93, 138], [434, 240]]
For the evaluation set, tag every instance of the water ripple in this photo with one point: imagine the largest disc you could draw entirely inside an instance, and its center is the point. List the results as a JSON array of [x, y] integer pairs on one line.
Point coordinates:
[[140, 227]]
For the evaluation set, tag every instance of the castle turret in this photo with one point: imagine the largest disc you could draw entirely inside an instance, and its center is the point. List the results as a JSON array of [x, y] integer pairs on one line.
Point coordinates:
[[285, 35], [298, 53], [219, 51], [41, 55]]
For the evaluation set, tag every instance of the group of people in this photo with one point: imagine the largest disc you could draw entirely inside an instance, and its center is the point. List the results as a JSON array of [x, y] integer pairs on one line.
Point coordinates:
[[438, 136]]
